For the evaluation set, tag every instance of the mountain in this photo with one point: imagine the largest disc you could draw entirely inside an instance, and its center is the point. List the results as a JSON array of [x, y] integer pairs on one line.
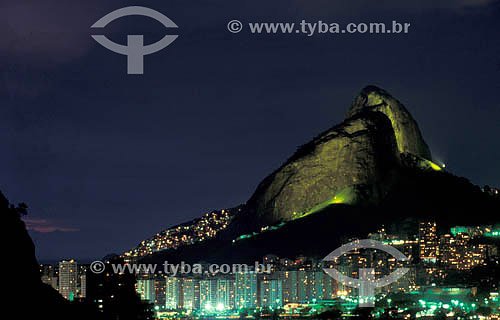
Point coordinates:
[[372, 169], [351, 162], [406, 131], [416, 195], [27, 296], [185, 234]]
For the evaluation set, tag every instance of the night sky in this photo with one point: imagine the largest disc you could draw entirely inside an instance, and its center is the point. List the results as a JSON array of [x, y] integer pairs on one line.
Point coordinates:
[[104, 159]]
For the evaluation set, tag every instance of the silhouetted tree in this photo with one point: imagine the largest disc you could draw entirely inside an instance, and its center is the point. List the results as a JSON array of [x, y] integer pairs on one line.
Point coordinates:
[[440, 315], [330, 314], [362, 313]]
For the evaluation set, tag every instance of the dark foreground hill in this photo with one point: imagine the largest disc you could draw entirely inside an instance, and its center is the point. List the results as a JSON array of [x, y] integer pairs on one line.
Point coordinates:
[[26, 296]]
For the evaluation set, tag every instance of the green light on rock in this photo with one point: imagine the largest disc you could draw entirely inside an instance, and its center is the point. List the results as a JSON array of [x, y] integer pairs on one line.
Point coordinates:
[[435, 166], [345, 196]]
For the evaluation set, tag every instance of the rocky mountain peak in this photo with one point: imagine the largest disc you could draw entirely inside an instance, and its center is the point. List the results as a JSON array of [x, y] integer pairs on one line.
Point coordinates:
[[353, 162], [408, 136]]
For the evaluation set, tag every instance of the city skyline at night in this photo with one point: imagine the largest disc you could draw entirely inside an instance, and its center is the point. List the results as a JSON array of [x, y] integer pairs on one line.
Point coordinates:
[[250, 160]]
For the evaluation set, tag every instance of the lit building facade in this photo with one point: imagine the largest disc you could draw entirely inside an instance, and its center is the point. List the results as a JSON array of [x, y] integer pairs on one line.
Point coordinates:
[[289, 286], [146, 289], [428, 241], [189, 294], [172, 292], [49, 275], [225, 294], [246, 290], [271, 293], [208, 289], [68, 279]]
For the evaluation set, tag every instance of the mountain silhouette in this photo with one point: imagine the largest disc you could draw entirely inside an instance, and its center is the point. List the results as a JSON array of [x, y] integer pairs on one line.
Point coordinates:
[[27, 297], [372, 169]]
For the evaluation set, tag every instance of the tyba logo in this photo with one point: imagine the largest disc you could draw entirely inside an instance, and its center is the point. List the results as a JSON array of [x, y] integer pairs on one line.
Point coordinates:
[[366, 282], [135, 50]]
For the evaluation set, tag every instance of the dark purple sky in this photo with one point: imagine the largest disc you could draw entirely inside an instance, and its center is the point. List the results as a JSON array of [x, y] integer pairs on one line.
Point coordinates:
[[105, 160]]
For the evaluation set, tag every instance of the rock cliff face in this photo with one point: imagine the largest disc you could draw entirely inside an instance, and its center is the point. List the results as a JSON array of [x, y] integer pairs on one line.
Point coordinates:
[[406, 130], [352, 161], [44, 302]]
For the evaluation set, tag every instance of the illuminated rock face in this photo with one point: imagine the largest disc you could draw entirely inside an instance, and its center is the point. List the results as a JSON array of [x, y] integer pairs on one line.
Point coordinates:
[[408, 136], [358, 158]]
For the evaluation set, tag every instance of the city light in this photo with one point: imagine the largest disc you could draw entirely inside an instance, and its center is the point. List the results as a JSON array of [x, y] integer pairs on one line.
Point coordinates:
[[306, 287]]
